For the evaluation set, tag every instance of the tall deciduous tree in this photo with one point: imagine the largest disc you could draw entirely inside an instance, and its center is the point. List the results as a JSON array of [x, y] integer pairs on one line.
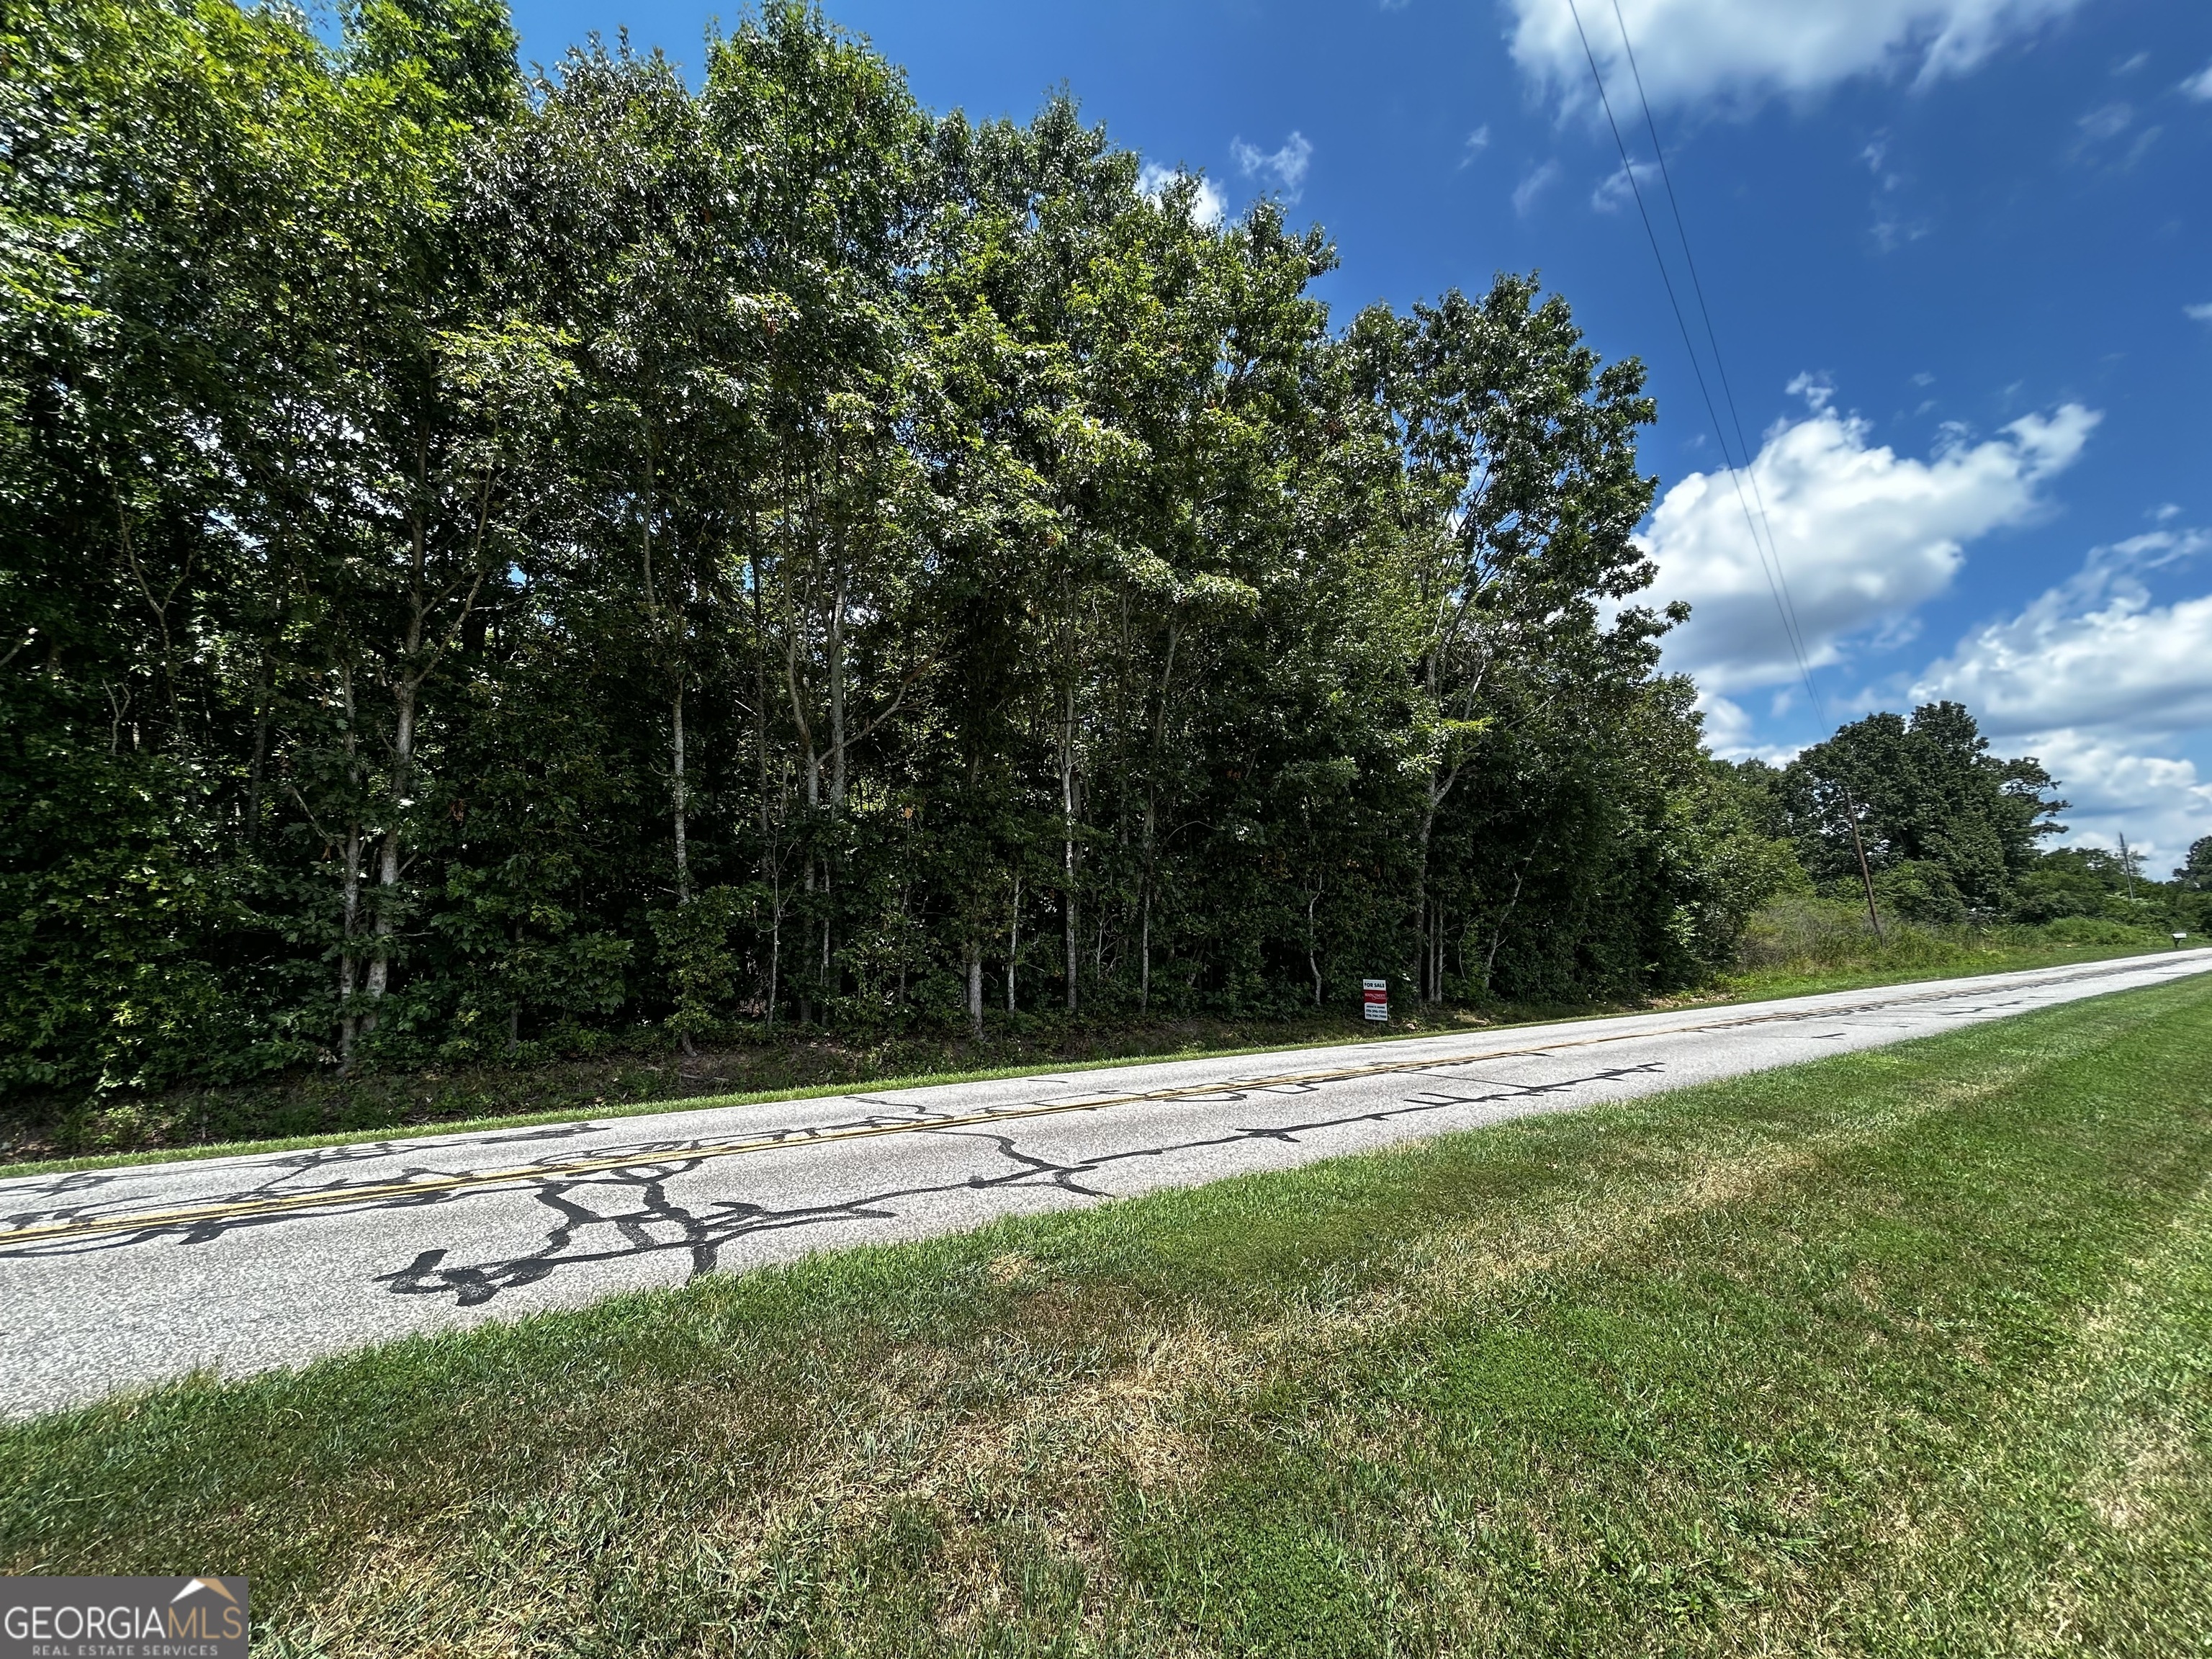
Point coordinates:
[[1947, 826], [494, 565]]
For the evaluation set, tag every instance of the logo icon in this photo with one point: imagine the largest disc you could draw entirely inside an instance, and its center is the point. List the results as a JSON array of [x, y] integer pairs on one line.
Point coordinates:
[[215, 1585]]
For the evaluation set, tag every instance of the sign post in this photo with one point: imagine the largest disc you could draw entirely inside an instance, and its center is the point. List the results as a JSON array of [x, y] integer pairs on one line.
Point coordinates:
[[1376, 994]]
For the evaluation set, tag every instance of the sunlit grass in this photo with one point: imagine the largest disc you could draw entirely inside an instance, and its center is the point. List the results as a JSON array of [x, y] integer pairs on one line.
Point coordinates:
[[1908, 1351]]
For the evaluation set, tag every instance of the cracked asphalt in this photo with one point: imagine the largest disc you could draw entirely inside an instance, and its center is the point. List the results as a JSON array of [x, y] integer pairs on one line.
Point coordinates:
[[122, 1278]]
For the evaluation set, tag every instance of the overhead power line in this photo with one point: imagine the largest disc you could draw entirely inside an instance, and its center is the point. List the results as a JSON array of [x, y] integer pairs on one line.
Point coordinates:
[[1740, 472], [1791, 626]]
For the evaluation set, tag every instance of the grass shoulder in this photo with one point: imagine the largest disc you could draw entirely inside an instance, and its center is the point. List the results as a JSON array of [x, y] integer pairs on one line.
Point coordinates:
[[1901, 1348]]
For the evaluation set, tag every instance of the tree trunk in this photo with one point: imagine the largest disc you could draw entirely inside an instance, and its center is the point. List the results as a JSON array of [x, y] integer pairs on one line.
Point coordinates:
[[837, 691], [262, 692], [975, 990], [775, 947], [349, 879], [1490, 959], [667, 639], [1313, 966], [798, 719], [1152, 824], [1067, 836], [1421, 894], [1013, 942], [386, 924], [676, 761], [771, 866], [1437, 953], [514, 1009], [805, 1001], [349, 966]]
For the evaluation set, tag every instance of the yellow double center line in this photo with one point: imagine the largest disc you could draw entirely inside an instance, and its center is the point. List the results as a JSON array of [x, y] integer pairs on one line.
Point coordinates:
[[432, 1186]]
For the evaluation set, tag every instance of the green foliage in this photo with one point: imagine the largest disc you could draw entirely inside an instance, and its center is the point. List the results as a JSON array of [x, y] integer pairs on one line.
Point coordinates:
[[702, 970], [1950, 830], [1802, 942], [2196, 871], [1945, 827], [2099, 930], [2061, 884], [128, 956], [495, 563]]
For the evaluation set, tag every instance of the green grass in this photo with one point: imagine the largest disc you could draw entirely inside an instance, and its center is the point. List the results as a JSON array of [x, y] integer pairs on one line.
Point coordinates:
[[50, 1136], [1904, 1352]]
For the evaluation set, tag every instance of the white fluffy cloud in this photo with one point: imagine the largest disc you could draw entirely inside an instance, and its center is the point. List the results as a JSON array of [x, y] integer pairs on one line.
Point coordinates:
[[1617, 188], [1207, 207], [1286, 167], [1692, 50], [1865, 535], [2092, 653], [1534, 183], [1731, 734], [2092, 678], [2089, 675], [2157, 801]]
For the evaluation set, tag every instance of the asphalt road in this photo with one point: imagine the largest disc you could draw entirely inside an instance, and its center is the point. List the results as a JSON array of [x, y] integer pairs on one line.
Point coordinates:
[[115, 1279]]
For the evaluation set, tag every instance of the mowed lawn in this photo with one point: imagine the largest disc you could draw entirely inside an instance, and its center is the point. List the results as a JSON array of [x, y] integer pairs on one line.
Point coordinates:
[[1907, 1352]]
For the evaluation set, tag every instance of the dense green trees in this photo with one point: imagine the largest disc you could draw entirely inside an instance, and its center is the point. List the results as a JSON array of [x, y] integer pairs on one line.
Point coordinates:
[[495, 561], [2195, 873], [1947, 828]]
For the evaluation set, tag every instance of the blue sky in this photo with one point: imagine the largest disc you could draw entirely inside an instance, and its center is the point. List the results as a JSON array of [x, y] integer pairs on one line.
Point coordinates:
[[1952, 249]]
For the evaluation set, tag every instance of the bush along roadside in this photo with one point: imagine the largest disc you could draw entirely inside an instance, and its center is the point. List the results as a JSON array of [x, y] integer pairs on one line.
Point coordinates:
[[1797, 946]]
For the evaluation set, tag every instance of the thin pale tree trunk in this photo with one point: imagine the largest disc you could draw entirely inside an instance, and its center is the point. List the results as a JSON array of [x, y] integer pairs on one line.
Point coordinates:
[[1067, 836], [348, 965], [514, 1009], [348, 881], [837, 774], [1421, 893], [263, 692], [1313, 965], [681, 800], [771, 864], [385, 928], [679, 804], [1490, 958], [806, 999], [774, 948]]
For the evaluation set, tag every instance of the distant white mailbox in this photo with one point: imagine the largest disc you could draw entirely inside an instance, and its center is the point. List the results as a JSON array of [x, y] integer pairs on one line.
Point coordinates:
[[1376, 992]]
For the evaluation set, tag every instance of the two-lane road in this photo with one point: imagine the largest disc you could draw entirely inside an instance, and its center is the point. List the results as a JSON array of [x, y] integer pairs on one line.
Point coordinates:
[[116, 1278]]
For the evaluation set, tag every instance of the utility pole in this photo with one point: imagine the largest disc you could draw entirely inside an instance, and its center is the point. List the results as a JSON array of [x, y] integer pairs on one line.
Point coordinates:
[[2128, 867], [1866, 875]]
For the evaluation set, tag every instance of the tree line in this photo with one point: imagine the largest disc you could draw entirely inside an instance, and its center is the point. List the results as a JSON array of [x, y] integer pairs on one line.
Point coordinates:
[[500, 563], [1952, 832]]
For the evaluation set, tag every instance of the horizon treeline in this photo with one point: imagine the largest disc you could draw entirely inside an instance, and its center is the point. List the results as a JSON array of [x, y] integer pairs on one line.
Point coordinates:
[[499, 562]]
